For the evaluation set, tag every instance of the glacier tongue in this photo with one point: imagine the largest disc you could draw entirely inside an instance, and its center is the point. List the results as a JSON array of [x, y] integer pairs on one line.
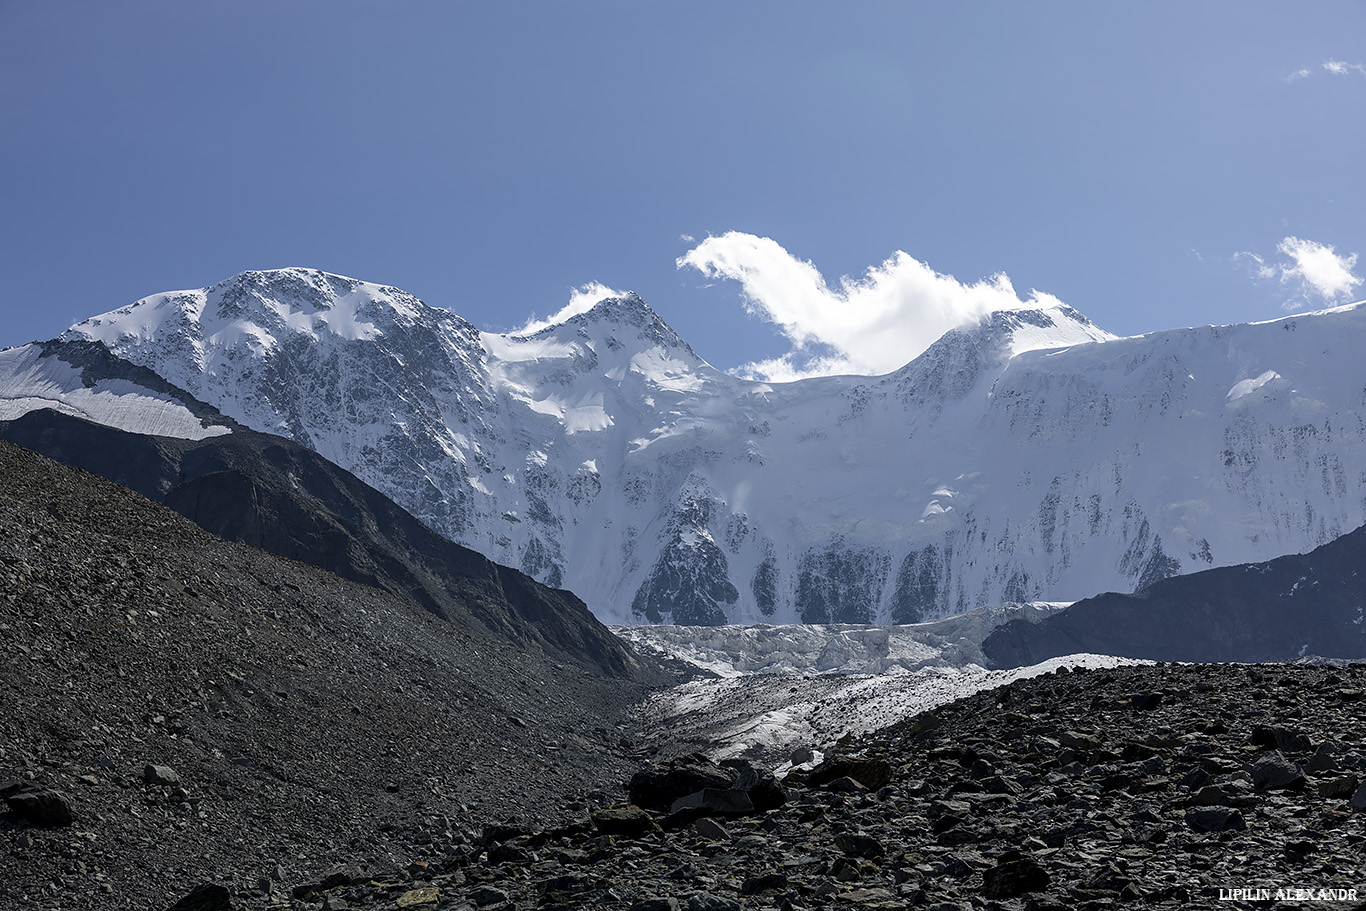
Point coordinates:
[[770, 717], [1031, 456]]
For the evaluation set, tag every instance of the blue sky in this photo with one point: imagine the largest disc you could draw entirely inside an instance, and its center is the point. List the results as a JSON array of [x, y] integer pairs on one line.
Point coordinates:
[[1153, 165]]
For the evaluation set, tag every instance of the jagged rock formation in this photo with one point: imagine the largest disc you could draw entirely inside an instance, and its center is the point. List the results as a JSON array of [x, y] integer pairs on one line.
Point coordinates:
[[1029, 457]]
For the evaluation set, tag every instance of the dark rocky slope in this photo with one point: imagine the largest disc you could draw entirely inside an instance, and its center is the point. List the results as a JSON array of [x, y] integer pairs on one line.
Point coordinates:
[[1139, 787], [305, 719], [1302, 604], [274, 494]]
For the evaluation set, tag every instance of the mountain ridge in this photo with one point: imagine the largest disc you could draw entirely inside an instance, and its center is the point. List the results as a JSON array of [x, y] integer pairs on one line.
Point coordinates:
[[597, 455], [1281, 610]]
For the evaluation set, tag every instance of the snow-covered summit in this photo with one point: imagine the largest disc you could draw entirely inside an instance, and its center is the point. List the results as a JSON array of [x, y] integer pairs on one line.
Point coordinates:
[[1030, 456], [962, 357], [629, 312], [261, 308]]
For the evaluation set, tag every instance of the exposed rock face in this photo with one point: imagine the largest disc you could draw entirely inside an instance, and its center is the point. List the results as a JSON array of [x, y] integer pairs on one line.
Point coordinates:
[[1030, 457], [1303, 604]]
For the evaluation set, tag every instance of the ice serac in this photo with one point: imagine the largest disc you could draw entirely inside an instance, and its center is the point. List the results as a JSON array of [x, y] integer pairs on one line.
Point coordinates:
[[1029, 456]]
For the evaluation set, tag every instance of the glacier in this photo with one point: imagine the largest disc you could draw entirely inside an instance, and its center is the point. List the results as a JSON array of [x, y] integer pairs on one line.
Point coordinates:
[[1028, 457], [32, 379]]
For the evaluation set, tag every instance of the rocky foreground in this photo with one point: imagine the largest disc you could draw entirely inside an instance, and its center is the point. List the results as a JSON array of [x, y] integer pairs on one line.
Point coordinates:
[[1151, 787], [176, 709]]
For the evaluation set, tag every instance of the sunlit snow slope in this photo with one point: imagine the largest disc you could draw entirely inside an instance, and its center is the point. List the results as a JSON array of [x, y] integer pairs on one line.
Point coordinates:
[[31, 378], [1029, 457]]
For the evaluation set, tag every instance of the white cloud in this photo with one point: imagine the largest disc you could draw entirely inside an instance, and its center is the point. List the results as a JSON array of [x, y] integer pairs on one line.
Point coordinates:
[[869, 326], [581, 300], [1333, 67], [1343, 68], [1314, 271]]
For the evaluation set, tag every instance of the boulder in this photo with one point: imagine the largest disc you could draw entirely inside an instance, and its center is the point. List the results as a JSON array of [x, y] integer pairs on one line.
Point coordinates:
[[764, 790], [1341, 787], [657, 788], [160, 775], [871, 773], [1010, 878], [40, 807], [205, 897], [625, 820], [1214, 819], [857, 845], [1276, 773], [715, 802]]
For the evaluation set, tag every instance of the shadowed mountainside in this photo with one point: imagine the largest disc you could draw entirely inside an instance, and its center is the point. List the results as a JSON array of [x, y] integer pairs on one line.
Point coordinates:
[[1286, 608], [274, 494]]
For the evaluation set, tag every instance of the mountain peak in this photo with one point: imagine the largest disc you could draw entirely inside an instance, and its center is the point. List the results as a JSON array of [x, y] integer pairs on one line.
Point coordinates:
[[951, 366], [1038, 328], [261, 308], [609, 320]]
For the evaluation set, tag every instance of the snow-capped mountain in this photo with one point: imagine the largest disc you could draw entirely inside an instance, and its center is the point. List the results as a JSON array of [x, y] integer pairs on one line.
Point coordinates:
[[1029, 457]]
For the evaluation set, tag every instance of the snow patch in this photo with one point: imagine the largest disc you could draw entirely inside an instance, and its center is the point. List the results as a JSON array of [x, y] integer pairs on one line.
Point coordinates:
[[32, 382], [1249, 386]]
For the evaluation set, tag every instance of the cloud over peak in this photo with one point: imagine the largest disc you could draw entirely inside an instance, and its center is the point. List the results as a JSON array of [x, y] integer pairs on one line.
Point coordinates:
[[581, 300], [868, 326], [1314, 272]]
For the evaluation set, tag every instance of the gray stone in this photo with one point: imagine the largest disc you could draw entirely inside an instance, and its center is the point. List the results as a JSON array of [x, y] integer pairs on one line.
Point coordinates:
[[160, 775], [871, 773], [626, 820], [711, 830], [1341, 787], [1074, 740], [857, 845], [657, 904], [709, 801], [1324, 759], [1214, 819], [705, 901], [41, 807], [846, 785], [1011, 878], [1276, 773], [488, 895], [205, 897], [657, 788]]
